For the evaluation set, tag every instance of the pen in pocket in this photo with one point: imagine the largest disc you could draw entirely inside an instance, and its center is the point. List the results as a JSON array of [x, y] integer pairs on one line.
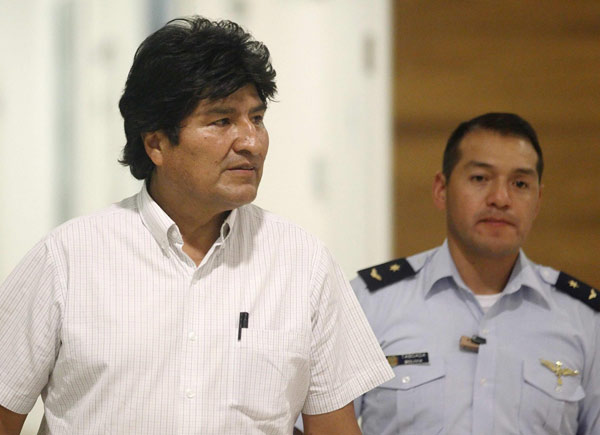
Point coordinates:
[[243, 324]]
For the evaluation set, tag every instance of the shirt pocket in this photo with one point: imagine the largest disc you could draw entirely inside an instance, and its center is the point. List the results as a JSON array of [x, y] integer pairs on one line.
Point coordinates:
[[270, 374], [419, 393], [545, 406]]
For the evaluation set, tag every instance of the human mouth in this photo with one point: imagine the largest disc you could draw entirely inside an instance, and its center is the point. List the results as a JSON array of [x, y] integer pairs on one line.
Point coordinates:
[[243, 169], [497, 222]]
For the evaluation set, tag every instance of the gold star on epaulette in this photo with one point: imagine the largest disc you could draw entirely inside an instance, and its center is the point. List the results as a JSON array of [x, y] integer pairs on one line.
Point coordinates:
[[573, 284], [395, 267], [592, 295]]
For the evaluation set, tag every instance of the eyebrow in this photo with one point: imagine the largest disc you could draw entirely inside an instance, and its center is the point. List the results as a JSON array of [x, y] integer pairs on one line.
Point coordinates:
[[526, 171], [483, 165], [225, 110]]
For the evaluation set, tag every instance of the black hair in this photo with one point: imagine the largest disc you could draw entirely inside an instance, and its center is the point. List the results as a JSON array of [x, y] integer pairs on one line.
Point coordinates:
[[505, 124], [187, 60]]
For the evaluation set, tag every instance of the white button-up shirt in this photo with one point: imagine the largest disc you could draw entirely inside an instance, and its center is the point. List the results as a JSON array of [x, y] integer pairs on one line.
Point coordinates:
[[120, 332]]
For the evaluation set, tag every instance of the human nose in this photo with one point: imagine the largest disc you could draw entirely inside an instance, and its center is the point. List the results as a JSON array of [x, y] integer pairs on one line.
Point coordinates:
[[499, 195], [248, 138]]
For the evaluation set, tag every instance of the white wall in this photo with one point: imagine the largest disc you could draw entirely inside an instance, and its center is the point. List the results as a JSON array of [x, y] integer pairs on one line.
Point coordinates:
[[26, 128], [64, 66]]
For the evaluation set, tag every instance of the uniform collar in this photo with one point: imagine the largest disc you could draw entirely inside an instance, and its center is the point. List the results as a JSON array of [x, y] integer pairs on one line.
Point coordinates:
[[164, 229], [441, 269], [523, 276]]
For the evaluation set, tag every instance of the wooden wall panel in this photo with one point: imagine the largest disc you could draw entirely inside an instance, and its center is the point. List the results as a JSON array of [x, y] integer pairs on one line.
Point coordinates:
[[455, 60]]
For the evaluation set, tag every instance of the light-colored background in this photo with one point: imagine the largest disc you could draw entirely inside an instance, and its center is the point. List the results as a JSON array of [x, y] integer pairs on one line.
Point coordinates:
[[64, 64]]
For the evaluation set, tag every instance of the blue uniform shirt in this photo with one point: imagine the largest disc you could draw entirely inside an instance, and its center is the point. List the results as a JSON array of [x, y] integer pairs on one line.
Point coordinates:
[[503, 388]]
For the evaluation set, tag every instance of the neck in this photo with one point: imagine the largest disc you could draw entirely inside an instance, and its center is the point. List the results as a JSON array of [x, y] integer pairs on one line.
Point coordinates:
[[199, 227], [482, 274]]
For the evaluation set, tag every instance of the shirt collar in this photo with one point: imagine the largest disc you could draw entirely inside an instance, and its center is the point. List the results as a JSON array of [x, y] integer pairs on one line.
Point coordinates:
[[164, 229], [442, 268], [523, 275]]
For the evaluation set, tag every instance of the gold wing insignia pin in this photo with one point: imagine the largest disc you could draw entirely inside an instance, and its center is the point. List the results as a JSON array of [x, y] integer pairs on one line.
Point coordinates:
[[558, 369]]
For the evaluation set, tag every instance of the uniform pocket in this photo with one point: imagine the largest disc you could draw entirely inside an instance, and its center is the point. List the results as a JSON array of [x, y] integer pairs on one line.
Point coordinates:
[[418, 391], [270, 373], [545, 406]]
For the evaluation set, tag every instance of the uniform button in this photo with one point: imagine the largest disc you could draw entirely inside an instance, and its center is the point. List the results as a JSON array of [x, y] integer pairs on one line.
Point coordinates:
[[192, 336], [485, 331], [483, 381], [406, 379], [546, 274], [189, 394]]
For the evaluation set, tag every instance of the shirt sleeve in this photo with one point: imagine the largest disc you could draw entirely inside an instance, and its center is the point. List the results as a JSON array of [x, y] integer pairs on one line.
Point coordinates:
[[346, 360], [361, 292], [30, 313], [589, 418]]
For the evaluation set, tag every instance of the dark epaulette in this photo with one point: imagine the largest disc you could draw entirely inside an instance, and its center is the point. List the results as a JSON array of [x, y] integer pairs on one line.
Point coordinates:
[[382, 275], [579, 290]]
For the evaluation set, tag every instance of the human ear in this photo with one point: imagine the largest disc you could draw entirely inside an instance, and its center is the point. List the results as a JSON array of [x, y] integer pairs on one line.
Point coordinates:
[[439, 191], [155, 143], [539, 199]]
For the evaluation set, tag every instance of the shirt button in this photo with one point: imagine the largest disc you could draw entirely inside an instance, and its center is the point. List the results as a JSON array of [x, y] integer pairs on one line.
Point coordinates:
[[189, 394], [546, 274], [483, 381], [192, 336], [485, 331], [406, 379]]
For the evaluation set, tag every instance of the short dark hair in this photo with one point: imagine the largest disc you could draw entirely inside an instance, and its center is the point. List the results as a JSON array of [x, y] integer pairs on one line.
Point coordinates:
[[187, 60], [505, 124]]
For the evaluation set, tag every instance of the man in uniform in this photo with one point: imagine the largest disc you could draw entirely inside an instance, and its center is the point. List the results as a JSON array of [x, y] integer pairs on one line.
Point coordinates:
[[483, 340], [185, 309]]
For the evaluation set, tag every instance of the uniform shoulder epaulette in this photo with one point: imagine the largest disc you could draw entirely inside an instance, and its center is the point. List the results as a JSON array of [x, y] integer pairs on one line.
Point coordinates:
[[377, 277], [579, 290]]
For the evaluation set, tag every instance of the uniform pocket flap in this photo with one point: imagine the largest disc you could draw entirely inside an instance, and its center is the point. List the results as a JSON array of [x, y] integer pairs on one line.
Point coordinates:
[[413, 375], [545, 378]]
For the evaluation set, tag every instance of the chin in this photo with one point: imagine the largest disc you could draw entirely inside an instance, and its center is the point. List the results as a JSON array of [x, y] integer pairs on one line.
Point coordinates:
[[498, 250], [242, 198]]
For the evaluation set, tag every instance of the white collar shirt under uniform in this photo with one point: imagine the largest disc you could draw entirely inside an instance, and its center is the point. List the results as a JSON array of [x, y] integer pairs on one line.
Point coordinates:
[[121, 333], [503, 388]]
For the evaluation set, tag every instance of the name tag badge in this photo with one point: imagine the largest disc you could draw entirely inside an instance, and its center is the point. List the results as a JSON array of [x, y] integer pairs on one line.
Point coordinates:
[[408, 358]]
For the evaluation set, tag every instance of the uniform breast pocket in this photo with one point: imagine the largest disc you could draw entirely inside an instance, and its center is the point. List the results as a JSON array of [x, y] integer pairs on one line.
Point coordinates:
[[419, 397], [547, 407], [270, 373]]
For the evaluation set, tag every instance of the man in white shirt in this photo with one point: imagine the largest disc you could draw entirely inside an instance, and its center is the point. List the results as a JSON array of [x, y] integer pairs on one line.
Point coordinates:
[[185, 309]]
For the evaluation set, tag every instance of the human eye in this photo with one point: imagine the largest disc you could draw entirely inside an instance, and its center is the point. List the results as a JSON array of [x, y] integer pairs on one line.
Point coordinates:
[[522, 185], [477, 178], [221, 122], [258, 119]]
